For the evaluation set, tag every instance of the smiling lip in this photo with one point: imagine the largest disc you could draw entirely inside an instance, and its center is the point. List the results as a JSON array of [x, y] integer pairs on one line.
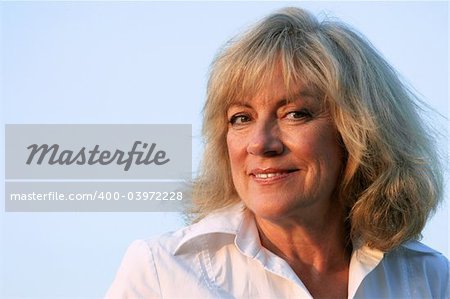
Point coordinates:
[[270, 174]]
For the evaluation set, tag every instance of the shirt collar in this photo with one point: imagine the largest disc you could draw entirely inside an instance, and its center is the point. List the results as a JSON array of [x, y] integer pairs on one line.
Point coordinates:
[[364, 259], [419, 247], [227, 220], [236, 220]]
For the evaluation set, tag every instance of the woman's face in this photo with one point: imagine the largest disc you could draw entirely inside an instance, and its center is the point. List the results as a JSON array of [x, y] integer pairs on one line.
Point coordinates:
[[285, 156]]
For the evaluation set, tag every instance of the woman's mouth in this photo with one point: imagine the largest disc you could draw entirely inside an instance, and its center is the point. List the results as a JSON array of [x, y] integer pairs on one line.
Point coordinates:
[[269, 175]]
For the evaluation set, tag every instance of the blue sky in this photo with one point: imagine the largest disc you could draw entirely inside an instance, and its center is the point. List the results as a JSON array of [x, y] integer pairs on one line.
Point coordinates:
[[147, 62]]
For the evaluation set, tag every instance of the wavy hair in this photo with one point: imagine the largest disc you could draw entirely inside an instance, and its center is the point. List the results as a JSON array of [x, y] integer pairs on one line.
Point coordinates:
[[392, 179]]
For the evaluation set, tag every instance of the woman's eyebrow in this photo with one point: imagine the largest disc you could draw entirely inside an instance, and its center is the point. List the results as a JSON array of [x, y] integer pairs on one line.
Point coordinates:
[[307, 94], [304, 96], [239, 104], [304, 93], [307, 91]]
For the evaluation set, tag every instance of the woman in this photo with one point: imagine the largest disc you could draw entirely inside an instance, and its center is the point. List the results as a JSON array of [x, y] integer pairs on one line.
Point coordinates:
[[317, 180]]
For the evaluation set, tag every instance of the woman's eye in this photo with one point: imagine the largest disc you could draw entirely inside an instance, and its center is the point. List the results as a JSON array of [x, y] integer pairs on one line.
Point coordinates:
[[300, 114], [239, 119]]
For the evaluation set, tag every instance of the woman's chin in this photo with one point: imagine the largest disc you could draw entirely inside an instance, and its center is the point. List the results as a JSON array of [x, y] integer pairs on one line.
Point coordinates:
[[271, 210]]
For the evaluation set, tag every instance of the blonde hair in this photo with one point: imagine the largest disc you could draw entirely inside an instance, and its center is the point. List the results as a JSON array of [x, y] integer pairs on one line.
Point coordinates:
[[392, 179]]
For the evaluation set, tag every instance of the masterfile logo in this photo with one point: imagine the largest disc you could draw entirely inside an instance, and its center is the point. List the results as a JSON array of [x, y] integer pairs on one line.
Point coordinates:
[[53, 155], [43, 151], [101, 168]]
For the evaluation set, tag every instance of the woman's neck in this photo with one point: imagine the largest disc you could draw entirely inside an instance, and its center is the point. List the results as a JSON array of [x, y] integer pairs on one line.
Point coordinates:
[[316, 247]]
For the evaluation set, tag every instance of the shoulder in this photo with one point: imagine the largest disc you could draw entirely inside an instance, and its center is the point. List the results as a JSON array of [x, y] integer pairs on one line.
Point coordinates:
[[421, 266], [417, 252], [412, 270], [137, 276], [142, 267], [150, 266], [418, 255], [419, 248]]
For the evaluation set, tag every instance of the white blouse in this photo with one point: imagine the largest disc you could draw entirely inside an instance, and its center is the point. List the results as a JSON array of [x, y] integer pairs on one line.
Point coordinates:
[[221, 257]]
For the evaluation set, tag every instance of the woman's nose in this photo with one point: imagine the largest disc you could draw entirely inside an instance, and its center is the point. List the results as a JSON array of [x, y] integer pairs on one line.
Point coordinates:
[[264, 140]]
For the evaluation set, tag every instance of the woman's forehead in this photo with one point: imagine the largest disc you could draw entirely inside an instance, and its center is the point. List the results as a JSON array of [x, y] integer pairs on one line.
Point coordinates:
[[278, 91], [271, 79]]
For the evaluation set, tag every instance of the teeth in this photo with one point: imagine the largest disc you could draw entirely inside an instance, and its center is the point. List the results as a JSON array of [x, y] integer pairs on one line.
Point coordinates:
[[267, 175]]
